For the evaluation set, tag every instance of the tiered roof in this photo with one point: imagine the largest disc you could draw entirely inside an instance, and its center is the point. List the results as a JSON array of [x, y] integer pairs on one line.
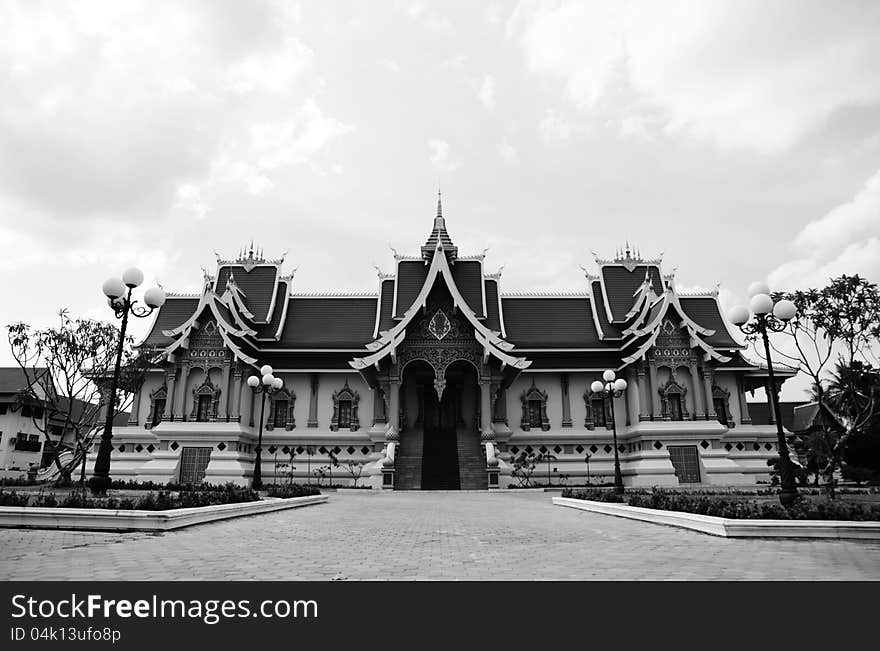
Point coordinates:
[[612, 322]]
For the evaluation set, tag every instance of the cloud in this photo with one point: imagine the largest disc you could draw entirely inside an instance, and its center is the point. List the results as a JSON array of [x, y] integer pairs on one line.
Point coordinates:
[[127, 108], [743, 74], [486, 92], [844, 240], [555, 128], [441, 157], [508, 153]]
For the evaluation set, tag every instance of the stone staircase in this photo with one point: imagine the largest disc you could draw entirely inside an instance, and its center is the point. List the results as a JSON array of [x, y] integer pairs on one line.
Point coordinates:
[[408, 461], [471, 461]]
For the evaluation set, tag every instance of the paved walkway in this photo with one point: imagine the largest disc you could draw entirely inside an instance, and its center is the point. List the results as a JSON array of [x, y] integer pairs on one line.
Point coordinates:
[[367, 535]]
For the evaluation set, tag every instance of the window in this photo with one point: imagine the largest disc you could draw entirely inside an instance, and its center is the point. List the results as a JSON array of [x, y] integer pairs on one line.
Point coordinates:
[[720, 409], [26, 411], [3, 408], [38, 412], [204, 409], [674, 406], [345, 413], [280, 413], [535, 413], [158, 411], [599, 416]]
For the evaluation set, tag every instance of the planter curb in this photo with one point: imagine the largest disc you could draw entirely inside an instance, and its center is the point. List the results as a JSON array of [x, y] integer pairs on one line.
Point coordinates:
[[29, 517], [731, 528]]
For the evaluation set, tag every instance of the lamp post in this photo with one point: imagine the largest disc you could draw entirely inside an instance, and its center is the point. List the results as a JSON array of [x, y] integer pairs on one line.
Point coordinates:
[[587, 461], [118, 292], [770, 316], [268, 384], [612, 389]]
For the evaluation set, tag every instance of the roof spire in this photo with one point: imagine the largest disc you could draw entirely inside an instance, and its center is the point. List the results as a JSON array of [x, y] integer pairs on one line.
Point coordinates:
[[439, 222]]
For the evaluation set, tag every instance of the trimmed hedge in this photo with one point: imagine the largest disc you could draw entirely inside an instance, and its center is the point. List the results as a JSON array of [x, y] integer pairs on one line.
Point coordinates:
[[292, 490], [161, 501], [725, 507]]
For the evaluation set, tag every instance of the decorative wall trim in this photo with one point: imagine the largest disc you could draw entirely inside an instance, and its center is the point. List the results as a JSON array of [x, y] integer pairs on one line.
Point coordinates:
[[670, 388], [534, 393], [345, 393]]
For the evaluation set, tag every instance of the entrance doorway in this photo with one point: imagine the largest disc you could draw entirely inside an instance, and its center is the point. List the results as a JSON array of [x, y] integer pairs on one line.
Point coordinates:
[[440, 449]]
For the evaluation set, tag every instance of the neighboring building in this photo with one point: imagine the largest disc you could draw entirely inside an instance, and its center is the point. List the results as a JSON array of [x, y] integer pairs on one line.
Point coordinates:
[[762, 414], [22, 443], [439, 379]]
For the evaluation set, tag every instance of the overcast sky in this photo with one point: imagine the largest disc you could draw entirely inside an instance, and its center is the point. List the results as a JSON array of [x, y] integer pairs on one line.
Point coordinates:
[[742, 139]]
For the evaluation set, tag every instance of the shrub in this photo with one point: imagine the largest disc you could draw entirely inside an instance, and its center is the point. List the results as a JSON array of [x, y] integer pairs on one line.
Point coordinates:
[[293, 490], [725, 507], [11, 498]]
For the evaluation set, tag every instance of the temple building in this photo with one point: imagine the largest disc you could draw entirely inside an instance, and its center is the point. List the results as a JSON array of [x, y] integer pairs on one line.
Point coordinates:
[[441, 380]]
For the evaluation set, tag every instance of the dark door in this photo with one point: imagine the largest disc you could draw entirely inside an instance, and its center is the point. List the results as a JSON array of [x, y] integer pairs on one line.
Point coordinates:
[[440, 448], [193, 463], [686, 461], [204, 408], [674, 406]]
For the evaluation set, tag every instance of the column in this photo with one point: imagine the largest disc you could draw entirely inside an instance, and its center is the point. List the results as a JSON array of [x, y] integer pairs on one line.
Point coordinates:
[[708, 377], [642, 388], [485, 402], [136, 406], [566, 402], [169, 395], [633, 399], [771, 413], [378, 404], [655, 396], [236, 392], [501, 405], [223, 407], [253, 402], [394, 403], [180, 397], [744, 416], [699, 401], [313, 401]]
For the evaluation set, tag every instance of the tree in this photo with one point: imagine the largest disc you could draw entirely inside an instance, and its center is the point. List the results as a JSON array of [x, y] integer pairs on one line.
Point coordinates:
[[355, 469], [65, 369], [524, 465], [839, 322]]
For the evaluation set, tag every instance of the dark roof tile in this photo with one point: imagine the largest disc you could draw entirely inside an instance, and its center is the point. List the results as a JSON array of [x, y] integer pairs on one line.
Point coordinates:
[[386, 319], [328, 322], [468, 277], [175, 311], [493, 318], [550, 323], [620, 285], [258, 286], [705, 312], [411, 275]]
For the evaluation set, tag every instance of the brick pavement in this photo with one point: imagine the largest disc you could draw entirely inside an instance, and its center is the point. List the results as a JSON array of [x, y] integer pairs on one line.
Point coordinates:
[[428, 536]]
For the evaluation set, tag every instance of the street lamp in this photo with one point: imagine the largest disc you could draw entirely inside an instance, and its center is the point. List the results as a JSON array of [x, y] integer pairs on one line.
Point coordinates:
[[587, 461], [612, 389], [773, 317], [268, 384], [118, 292]]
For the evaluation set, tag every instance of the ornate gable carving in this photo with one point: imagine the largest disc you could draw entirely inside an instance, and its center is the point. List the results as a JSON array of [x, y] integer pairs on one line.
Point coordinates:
[[673, 346]]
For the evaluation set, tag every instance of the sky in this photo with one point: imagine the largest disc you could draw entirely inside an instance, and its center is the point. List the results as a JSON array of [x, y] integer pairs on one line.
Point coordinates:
[[739, 139]]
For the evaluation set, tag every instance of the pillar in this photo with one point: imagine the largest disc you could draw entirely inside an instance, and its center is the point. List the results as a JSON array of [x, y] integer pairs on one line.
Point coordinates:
[[394, 403], [501, 405], [655, 395], [136, 406], [642, 390], [633, 399], [744, 416], [180, 397], [313, 401], [708, 377], [485, 404], [236, 392], [770, 399], [223, 407], [566, 402], [169, 395], [699, 395]]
